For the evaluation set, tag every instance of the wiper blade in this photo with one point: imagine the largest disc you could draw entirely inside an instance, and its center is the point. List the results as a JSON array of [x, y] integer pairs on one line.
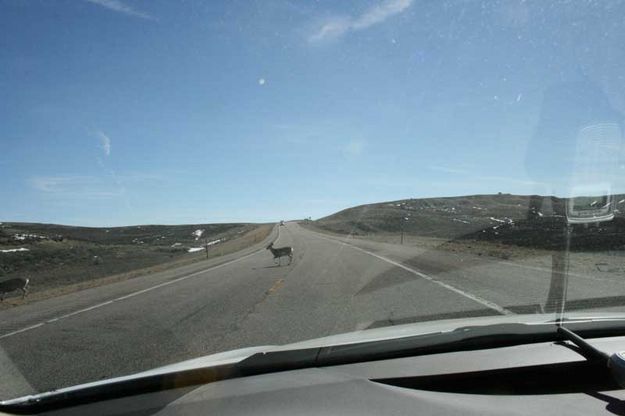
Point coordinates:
[[585, 349], [465, 339], [615, 362], [460, 339]]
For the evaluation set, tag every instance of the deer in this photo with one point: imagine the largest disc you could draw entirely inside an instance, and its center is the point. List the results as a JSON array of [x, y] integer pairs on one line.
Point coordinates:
[[18, 283], [278, 253]]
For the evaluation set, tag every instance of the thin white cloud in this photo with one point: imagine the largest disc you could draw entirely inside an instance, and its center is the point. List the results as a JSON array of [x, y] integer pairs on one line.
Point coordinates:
[[51, 183], [338, 26], [331, 29], [448, 169], [119, 7], [380, 13], [89, 187], [105, 143], [74, 187]]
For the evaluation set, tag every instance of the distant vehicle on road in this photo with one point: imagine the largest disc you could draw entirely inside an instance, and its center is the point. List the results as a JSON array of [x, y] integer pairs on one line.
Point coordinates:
[[282, 223]]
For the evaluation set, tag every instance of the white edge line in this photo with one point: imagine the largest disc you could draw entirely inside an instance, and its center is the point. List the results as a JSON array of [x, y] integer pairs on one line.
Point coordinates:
[[28, 328], [475, 298], [130, 295]]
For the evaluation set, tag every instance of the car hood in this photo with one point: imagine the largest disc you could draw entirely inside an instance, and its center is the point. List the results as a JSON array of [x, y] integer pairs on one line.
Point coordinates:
[[368, 335]]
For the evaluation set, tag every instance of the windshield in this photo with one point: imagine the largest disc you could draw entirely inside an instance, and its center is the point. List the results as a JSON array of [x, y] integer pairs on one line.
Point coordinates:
[[187, 178]]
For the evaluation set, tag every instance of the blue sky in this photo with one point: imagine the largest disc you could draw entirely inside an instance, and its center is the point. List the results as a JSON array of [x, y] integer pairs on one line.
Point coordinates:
[[120, 112]]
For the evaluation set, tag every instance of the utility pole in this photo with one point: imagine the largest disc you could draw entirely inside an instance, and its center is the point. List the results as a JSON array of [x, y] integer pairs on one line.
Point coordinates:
[[206, 246]]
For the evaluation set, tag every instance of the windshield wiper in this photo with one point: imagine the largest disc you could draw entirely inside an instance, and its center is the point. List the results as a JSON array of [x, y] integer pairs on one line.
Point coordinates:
[[615, 362]]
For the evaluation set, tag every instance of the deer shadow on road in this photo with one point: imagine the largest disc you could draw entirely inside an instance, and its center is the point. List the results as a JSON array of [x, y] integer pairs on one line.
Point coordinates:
[[275, 266]]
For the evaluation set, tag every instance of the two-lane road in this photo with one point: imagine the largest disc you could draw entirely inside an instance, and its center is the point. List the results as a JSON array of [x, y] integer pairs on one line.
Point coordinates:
[[330, 287]]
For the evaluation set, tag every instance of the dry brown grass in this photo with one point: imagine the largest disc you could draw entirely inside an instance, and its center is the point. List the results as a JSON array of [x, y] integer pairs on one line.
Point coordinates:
[[246, 240], [480, 248]]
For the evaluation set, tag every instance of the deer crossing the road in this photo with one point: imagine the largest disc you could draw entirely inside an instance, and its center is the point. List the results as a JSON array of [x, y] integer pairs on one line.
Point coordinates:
[[19, 283], [280, 252]]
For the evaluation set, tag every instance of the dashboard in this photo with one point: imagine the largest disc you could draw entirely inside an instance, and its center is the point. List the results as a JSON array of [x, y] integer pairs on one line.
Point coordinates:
[[541, 378]]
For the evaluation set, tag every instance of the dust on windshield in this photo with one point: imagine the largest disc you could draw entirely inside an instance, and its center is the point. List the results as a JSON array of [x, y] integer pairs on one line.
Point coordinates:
[[183, 179]]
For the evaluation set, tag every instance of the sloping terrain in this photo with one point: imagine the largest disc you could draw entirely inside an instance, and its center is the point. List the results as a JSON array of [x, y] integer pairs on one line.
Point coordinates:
[[532, 221], [53, 255]]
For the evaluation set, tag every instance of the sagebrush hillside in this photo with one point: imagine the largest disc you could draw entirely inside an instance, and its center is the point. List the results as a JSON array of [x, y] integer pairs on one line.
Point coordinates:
[[55, 255], [534, 221]]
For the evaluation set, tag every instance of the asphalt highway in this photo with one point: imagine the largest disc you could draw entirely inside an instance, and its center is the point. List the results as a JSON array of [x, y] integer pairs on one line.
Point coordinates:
[[332, 286]]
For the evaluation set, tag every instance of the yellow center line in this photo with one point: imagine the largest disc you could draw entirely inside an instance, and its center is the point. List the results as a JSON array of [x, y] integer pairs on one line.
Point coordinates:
[[275, 286]]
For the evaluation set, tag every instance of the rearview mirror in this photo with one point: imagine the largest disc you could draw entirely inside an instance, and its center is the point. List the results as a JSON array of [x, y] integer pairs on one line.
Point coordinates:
[[595, 169]]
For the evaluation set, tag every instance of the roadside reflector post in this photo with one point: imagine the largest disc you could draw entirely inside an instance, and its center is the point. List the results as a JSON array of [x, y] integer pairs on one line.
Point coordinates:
[[404, 220]]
